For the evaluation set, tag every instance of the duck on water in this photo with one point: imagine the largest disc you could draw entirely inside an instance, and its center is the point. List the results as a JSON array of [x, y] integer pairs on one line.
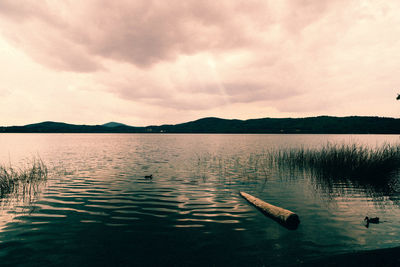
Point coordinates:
[[371, 220]]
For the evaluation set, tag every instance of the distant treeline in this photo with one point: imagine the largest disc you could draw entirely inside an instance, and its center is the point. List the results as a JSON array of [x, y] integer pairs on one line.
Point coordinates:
[[315, 125]]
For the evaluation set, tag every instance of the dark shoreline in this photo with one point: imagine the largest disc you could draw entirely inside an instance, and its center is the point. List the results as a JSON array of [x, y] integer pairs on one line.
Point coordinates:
[[376, 257], [310, 125]]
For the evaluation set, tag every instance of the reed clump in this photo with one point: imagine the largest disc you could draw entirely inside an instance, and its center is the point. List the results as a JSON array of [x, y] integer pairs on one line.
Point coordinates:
[[11, 179], [342, 160]]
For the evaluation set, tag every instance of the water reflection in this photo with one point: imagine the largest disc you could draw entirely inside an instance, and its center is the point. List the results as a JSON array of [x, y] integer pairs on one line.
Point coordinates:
[[379, 188], [97, 207], [19, 201]]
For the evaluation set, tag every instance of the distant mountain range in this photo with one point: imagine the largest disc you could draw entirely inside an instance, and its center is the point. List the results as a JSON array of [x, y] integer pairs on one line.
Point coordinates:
[[321, 125], [113, 124]]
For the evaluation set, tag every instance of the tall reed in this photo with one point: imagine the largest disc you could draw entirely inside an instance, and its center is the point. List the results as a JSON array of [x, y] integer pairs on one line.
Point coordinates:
[[342, 160], [12, 179]]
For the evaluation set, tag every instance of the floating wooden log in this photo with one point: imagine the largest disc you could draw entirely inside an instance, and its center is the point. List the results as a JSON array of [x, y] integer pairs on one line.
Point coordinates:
[[285, 217]]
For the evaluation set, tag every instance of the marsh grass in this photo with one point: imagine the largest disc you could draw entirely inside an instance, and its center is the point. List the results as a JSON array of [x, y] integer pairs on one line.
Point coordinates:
[[22, 180], [336, 167], [342, 160], [333, 169]]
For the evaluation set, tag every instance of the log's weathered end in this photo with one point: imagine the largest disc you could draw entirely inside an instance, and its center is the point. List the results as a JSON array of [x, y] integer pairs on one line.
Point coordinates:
[[283, 216]]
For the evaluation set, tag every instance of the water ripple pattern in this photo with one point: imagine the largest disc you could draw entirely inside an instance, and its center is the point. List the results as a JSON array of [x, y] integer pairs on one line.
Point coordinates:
[[97, 207]]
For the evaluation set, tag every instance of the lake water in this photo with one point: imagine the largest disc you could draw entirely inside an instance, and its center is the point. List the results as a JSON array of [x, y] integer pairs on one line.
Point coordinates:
[[96, 208]]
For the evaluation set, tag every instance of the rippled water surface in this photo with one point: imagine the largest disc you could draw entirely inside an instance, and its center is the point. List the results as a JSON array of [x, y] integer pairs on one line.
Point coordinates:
[[96, 208]]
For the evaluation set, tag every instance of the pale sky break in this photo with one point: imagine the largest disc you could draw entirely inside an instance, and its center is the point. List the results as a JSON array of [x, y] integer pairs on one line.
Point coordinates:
[[155, 62]]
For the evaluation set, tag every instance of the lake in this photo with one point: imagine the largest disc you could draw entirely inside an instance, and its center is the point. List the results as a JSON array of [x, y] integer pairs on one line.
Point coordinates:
[[96, 207]]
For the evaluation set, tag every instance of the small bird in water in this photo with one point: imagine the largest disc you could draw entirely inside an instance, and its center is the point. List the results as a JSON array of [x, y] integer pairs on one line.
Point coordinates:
[[149, 176], [371, 220]]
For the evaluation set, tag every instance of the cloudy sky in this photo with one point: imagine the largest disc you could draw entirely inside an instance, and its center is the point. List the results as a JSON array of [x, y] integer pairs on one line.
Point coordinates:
[[153, 62]]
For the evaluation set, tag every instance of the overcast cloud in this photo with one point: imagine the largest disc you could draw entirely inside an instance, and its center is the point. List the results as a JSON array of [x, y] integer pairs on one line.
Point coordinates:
[[153, 62]]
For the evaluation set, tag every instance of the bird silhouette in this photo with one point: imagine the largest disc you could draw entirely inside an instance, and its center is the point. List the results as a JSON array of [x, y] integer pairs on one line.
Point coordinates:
[[371, 220], [398, 97]]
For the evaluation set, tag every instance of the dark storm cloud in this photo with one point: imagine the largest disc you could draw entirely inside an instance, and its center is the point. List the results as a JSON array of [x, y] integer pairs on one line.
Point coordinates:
[[201, 55], [75, 36], [139, 32], [40, 30]]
